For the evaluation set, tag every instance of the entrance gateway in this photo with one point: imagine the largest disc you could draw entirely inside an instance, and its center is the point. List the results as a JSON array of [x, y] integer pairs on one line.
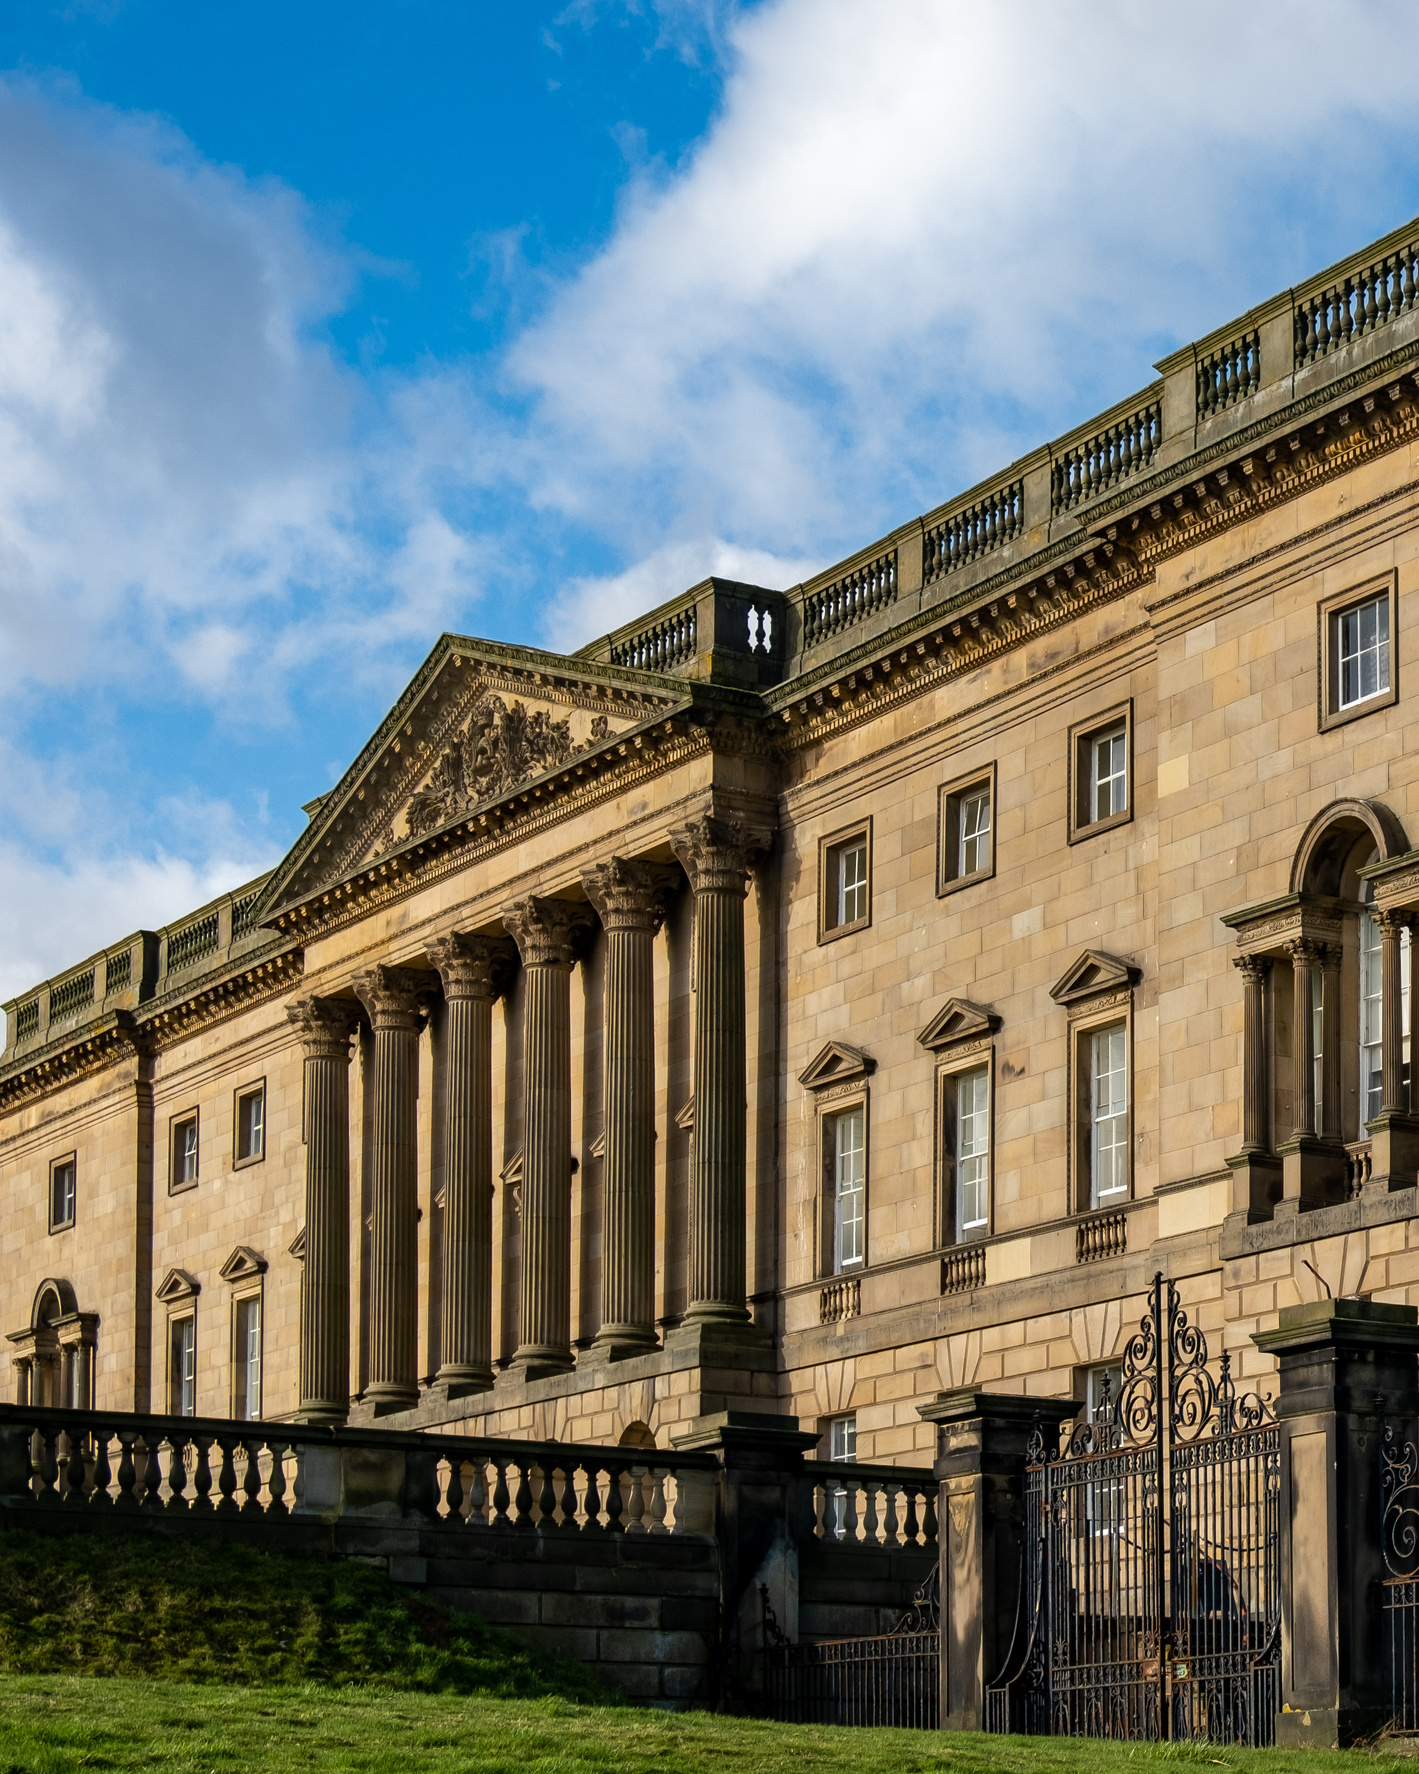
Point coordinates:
[[1150, 1606]]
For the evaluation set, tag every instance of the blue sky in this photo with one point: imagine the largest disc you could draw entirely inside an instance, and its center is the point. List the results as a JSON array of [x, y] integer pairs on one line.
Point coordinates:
[[325, 328]]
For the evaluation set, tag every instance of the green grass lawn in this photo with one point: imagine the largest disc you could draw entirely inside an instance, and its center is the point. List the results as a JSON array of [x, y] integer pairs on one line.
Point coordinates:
[[55, 1724]]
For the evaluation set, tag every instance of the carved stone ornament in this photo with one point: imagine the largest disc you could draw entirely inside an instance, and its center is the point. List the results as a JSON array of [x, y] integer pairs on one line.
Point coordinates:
[[176, 1285], [837, 1063], [549, 932], [958, 1020], [473, 966], [630, 894], [719, 854], [296, 1248], [325, 1025], [244, 1264], [1093, 974], [503, 745], [394, 996]]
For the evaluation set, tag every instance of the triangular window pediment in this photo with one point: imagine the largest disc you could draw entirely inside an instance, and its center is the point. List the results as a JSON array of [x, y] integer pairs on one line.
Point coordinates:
[[1092, 974], [478, 723], [836, 1063], [296, 1248], [685, 1116], [958, 1020], [243, 1264], [177, 1284]]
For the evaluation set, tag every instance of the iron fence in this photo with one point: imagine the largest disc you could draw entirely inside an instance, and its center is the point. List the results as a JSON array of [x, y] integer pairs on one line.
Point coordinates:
[[891, 1678], [1399, 1590]]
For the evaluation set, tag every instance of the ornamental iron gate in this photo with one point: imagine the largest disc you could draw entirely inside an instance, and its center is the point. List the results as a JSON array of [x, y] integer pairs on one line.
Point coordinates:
[[1399, 1590], [892, 1678], [1150, 1601]]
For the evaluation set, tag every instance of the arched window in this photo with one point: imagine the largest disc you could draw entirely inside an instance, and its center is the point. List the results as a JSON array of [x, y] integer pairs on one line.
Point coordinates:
[[54, 1356]]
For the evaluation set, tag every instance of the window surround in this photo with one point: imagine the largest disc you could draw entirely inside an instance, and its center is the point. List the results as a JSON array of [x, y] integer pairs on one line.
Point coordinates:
[[1081, 736], [837, 1079], [56, 1224], [177, 1184], [1096, 993], [950, 797], [244, 1272], [243, 1093], [178, 1291], [962, 1037], [830, 851], [1329, 610]]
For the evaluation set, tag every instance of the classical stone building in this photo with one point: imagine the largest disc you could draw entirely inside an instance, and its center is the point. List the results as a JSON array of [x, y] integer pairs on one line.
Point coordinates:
[[805, 1001]]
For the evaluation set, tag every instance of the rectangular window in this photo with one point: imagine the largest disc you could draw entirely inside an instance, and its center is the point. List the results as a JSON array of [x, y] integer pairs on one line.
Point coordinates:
[[183, 1367], [845, 882], [246, 1353], [1364, 651], [849, 1156], [184, 1152], [1108, 1129], [1101, 771], [1371, 1020], [973, 1153], [63, 1175], [1359, 662], [842, 1438], [967, 838], [251, 1124]]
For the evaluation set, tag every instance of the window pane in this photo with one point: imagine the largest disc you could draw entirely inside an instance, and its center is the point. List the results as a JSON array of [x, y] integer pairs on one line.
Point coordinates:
[[852, 882], [62, 1207], [974, 847], [184, 1367], [1109, 1134], [849, 1193], [843, 1438], [186, 1143], [249, 1124], [1363, 638], [1108, 788], [1371, 1020], [248, 1358], [973, 1150]]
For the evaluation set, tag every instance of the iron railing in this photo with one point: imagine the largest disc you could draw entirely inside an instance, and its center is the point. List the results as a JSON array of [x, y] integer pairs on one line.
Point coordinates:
[[1399, 1590], [891, 1678]]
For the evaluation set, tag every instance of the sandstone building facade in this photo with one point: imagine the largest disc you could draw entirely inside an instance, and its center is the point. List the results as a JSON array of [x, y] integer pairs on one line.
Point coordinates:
[[805, 1001]]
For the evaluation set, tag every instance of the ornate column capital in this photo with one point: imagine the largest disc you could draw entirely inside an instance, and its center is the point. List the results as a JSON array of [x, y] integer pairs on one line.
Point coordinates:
[[548, 932], [1252, 967], [717, 854], [1305, 951], [631, 895], [1395, 919], [325, 1025], [393, 996], [472, 966]]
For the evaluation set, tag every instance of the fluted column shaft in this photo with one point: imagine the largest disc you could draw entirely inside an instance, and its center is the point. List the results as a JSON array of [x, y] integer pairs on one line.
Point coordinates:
[[718, 856], [1254, 969], [1392, 927], [326, 1025], [474, 970], [392, 997], [1304, 960], [1330, 1042], [549, 934], [630, 899]]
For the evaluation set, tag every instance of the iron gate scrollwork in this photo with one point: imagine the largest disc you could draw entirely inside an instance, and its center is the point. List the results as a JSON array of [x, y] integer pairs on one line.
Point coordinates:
[[1150, 1601], [1399, 1591], [890, 1678]]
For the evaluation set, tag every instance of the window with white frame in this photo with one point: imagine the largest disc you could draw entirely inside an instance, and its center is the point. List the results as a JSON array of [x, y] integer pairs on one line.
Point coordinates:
[[846, 887], [1108, 1114], [847, 1145], [63, 1193], [975, 832], [1371, 1019], [842, 1445], [251, 1124], [183, 1172], [246, 1352], [967, 836], [1101, 770], [1108, 774], [1362, 651], [972, 1129], [182, 1381]]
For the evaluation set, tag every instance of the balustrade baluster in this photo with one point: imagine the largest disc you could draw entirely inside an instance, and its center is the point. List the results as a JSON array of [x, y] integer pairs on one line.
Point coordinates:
[[568, 1515], [102, 1476], [151, 1496], [871, 1520], [71, 1478], [251, 1480], [614, 1502], [478, 1494], [48, 1468], [929, 1523], [453, 1492], [501, 1518], [849, 1516], [911, 1530], [202, 1475], [657, 1503], [635, 1502], [592, 1501], [891, 1525], [547, 1496], [126, 1475], [177, 1472], [524, 1494], [226, 1476], [1371, 307], [276, 1484]]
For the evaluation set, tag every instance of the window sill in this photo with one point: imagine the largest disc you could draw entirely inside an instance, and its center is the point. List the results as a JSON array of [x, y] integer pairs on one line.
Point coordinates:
[[845, 929], [183, 1188], [246, 1163], [957, 882], [61, 1226], [1372, 705], [1079, 833]]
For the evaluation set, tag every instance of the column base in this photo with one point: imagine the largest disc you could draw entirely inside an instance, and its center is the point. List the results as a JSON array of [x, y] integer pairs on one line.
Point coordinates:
[[384, 1400], [1257, 1184], [619, 1342], [322, 1413], [1394, 1151], [534, 1361], [462, 1382], [1315, 1173]]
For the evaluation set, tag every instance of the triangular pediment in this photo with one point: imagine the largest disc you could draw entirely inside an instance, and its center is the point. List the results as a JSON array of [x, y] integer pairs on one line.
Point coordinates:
[[685, 1116], [958, 1020], [177, 1284], [836, 1064], [296, 1248], [479, 723], [1092, 973], [243, 1264]]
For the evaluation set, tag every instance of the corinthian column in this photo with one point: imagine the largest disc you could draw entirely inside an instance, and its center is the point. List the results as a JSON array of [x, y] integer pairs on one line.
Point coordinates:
[[1392, 927], [474, 971], [392, 996], [1254, 969], [326, 1025], [718, 855], [1305, 957], [549, 934], [630, 899]]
